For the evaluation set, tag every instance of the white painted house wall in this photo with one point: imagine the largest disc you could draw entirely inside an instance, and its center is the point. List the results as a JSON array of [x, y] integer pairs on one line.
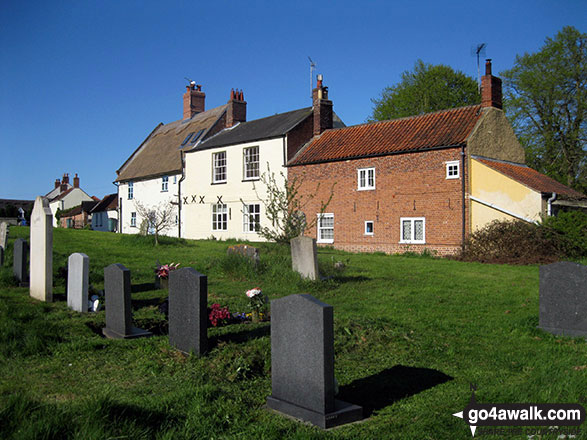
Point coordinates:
[[150, 194], [100, 219], [74, 198], [197, 216]]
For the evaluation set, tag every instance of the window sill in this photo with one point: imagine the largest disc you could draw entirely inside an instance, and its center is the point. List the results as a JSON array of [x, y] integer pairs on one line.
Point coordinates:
[[218, 183], [164, 190], [453, 177], [366, 189], [412, 242], [255, 179], [325, 241]]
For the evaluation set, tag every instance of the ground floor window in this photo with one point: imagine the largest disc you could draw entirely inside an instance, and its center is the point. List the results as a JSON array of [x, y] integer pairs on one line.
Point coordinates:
[[133, 219], [369, 227], [251, 217], [219, 217], [412, 230], [325, 228]]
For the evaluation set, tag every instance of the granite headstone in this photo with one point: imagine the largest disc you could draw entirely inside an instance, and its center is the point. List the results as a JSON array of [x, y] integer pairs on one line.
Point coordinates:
[[20, 264], [563, 299], [188, 320], [304, 257], [117, 290], [78, 274], [41, 273], [302, 363]]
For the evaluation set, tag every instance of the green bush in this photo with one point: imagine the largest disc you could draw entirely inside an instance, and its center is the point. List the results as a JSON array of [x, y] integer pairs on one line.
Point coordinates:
[[572, 226]]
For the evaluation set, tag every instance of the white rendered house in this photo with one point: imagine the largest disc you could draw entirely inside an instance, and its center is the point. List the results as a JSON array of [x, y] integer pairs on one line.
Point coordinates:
[[65, 196]]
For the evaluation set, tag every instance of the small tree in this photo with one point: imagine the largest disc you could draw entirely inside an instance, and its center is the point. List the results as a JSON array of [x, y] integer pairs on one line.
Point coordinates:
[[284, 207], [159, 218]]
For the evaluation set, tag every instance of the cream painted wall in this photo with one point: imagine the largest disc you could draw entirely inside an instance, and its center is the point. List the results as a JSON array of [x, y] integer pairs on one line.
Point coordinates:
[[74, 198], [505, 194], [197, 217], [149, 194]]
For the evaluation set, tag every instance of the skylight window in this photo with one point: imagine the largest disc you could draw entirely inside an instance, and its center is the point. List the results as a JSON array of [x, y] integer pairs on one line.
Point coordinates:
[[187, 138], [196, 137]]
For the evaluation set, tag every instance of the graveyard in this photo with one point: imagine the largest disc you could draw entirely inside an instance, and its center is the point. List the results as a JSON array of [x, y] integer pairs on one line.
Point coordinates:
[[411, 334]]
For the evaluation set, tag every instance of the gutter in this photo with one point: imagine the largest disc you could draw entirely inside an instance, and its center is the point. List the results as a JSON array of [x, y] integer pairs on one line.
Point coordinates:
[[181, 179], [549, 204]]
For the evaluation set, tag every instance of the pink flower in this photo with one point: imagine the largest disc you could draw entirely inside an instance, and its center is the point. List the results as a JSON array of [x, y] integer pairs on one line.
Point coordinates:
[[253, 292]]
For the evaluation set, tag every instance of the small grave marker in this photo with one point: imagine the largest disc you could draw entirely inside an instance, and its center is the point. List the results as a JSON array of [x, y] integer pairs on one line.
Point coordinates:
[[118, 304], [3, 234], [78, 273], [20, 261], [304, 257], [244, 250], [563, 299], [188, 320], [302, 363]]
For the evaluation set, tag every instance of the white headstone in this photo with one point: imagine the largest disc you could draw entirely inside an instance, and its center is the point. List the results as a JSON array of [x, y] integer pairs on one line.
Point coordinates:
[[78, 272], [304, 257], [41, 251], [3, 234]]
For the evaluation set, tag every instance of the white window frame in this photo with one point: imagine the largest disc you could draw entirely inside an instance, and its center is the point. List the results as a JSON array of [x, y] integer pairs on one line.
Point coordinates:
[[131, 190], [320, 228], [133, 219], [219, 164], [450, 169], [256, 223], [365, 186], [372, 227], [164, 183], [412, 220], [219, 217], [253, 164]]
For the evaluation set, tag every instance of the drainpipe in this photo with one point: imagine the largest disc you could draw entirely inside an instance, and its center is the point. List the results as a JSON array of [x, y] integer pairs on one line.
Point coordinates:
[[464, 216], [181, 179], [549, 204]]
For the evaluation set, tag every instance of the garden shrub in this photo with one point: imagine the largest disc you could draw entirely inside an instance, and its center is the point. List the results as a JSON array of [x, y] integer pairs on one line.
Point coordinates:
[[572, 226]]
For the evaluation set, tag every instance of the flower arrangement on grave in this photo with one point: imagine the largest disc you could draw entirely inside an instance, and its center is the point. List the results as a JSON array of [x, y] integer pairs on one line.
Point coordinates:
[[162, 270], [258, 303], [218, 315]]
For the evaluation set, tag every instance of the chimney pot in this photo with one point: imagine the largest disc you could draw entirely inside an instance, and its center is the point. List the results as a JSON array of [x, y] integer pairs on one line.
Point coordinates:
[[322, 108], [491, 95], [76, 181], [57, 183], [237, 108], [488, 66]]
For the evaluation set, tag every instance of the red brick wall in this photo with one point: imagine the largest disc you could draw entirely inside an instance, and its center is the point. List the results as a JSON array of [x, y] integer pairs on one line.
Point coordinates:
[[299, 136], [77, 221], [406, 185]]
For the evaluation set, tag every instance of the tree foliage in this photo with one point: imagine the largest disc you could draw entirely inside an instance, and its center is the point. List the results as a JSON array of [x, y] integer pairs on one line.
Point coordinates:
[[545, 99], [427, 88], [158, 218], [284, 207]]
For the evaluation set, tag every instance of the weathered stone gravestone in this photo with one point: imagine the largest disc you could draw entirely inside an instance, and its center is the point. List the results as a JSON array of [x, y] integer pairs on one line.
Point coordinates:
[[78, 274], [3, 234], [304, 257], [250, 252], [563, 299], [118, 304], [188, 320], [41, 274], [302, 363], [20, 261]]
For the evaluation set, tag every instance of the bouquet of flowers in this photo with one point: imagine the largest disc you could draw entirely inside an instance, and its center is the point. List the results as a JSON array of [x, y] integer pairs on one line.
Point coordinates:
[[162, 271], [218, 315], [258, 302]]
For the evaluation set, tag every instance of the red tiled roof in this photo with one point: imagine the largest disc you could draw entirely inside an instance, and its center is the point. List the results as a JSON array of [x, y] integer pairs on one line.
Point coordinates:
[[531, 178], [440, 129]]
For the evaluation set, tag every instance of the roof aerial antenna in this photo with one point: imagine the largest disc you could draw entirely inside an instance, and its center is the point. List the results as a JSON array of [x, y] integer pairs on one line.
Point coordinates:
[[191, 81], [312, 68], [478, 50]]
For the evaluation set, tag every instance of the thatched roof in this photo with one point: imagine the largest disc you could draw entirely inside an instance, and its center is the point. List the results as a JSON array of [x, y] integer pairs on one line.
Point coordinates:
[[160, 153]]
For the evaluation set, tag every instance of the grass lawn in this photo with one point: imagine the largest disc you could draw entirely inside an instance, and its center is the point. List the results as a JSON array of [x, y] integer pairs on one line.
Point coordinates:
[[411, 335]]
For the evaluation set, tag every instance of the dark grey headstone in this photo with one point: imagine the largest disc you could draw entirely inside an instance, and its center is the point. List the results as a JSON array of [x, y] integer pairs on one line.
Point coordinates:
[[188, 320], [302, 363], [118, 304], [246, 251], [20, 260], [563, 299], [1, 256]]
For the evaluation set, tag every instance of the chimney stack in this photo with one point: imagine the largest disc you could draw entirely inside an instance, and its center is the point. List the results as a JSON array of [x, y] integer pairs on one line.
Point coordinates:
[[193, 100], [64, 183], [237, 108], [76, 181], [490, 88], [322, 107], [57, 183]]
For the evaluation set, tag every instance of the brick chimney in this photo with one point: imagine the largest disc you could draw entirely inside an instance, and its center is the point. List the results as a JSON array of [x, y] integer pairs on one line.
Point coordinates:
[[322, 107], [76, 181], [64, 182], [193, 100], [490, 88], [237, 108], [57, 183]]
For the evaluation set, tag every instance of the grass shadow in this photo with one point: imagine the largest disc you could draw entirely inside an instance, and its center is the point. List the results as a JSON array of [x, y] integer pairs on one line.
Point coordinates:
[[144, 287], [390, 385], [240, 336]]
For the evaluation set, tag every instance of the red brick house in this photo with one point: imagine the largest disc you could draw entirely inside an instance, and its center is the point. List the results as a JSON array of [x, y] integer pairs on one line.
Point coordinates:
[[407, 184]]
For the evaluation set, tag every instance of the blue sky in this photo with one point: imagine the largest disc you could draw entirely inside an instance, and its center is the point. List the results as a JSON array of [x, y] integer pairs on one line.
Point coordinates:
[[82, 83]]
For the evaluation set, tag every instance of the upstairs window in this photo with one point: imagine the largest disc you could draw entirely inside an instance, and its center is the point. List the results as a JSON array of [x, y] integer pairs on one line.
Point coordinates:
[[452, 170], [366, 179], [251, 163], [251, 217], [130, 190], [219, 217], [164, 183], [219, 167], [325, 228], [412, 230]]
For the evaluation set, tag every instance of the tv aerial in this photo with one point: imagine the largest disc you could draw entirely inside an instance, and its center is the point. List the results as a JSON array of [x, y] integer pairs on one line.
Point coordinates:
[[479, 51], [312, 68], [191, 81]]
